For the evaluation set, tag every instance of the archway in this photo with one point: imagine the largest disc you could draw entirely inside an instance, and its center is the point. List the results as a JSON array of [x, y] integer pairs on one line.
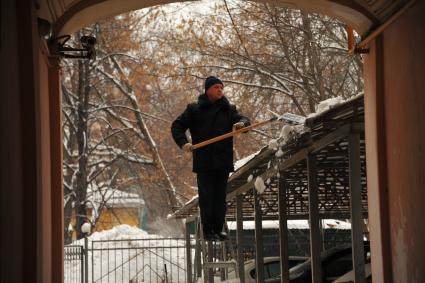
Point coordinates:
[[32, 151]]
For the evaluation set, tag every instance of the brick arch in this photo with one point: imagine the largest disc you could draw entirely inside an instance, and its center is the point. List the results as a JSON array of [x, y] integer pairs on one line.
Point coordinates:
[[85, 12], [394, 118]]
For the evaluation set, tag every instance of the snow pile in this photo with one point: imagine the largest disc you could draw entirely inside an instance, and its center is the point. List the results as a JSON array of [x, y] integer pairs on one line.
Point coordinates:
[[126, 253], [259, 185], [273, 144], [284, 132], [279, 153], [288, 133], [120, 232], [329, 103], [243, 161]]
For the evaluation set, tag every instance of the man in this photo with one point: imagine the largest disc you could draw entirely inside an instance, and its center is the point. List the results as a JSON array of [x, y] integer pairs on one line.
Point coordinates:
[[212, 115]]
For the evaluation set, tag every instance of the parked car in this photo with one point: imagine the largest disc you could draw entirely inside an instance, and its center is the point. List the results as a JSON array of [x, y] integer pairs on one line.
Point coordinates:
[[271, 267], [349, 276], [336, 262]]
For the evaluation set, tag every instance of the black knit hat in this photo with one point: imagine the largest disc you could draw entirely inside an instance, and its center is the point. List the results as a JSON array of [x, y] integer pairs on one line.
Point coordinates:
[[210, 81]]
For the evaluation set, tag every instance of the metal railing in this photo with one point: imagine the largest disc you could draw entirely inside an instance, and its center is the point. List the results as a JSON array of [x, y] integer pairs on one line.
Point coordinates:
[[128, 260], [74, 264]]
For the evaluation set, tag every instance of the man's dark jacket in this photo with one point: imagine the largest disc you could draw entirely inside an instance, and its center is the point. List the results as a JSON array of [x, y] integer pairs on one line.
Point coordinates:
[[206, 120]]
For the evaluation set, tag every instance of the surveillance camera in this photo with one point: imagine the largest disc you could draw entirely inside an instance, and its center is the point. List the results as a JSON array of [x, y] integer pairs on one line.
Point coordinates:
[[88, 41], [44, 28]]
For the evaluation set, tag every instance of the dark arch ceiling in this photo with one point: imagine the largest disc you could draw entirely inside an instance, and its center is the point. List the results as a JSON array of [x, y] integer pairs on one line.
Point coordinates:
[[67, 16]]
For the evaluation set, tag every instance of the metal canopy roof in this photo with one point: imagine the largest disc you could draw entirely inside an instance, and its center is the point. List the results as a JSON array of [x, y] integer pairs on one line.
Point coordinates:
[[327, 138]]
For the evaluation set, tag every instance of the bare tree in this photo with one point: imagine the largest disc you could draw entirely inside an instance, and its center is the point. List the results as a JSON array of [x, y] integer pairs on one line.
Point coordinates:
[[152, 63], [107, 145], [270, 57]]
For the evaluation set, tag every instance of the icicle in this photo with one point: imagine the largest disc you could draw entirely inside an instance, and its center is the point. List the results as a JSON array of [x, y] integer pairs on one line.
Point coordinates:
[[284, 132], [249, 179], [259, 185]]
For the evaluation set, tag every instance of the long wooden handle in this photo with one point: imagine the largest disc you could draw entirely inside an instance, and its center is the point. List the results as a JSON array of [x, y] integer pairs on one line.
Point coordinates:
[[231, 134]]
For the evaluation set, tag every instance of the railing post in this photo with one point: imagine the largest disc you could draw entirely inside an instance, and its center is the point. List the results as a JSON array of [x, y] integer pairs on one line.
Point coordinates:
[[86, 259], [81, 256], [313, 201], [259, 260], [188, 253], [356, 207], [239, 237]]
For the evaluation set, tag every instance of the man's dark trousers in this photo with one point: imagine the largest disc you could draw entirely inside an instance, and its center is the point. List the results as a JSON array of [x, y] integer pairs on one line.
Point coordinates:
[[212, 200]]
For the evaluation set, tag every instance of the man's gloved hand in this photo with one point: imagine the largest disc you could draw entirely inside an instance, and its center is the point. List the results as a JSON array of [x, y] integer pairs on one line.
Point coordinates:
[[188, 147], [238, 125]]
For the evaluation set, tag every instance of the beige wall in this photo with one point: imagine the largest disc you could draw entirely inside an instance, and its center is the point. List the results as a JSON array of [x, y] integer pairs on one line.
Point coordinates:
[[111, 217], [115, 216], [404, 86], [395, 136], [376, 163]]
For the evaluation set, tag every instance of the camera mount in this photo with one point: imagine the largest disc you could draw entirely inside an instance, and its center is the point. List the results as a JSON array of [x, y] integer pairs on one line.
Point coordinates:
[[58, 46]]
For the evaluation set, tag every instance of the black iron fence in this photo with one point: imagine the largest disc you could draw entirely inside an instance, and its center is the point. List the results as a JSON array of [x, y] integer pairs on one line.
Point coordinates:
[[130, 261]]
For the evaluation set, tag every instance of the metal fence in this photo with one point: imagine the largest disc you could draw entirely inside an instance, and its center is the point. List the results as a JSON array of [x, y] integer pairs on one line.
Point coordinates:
[[129, 260], [74, 264]]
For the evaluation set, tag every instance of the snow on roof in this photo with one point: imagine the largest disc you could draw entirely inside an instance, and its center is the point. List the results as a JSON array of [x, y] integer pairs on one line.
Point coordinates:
[[331, 103], [191, 202], [289, 132], [114, 198], [292, 224], [245, 160]]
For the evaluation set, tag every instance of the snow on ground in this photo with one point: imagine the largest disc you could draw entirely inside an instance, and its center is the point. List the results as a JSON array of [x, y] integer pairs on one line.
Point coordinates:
[[124, 253], [121, 232]]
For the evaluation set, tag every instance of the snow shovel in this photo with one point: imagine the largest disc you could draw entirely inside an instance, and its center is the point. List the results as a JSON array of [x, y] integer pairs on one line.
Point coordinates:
[[287, 117]]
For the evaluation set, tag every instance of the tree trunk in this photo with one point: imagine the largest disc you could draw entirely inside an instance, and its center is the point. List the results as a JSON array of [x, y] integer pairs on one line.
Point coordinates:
[[82, 141]]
